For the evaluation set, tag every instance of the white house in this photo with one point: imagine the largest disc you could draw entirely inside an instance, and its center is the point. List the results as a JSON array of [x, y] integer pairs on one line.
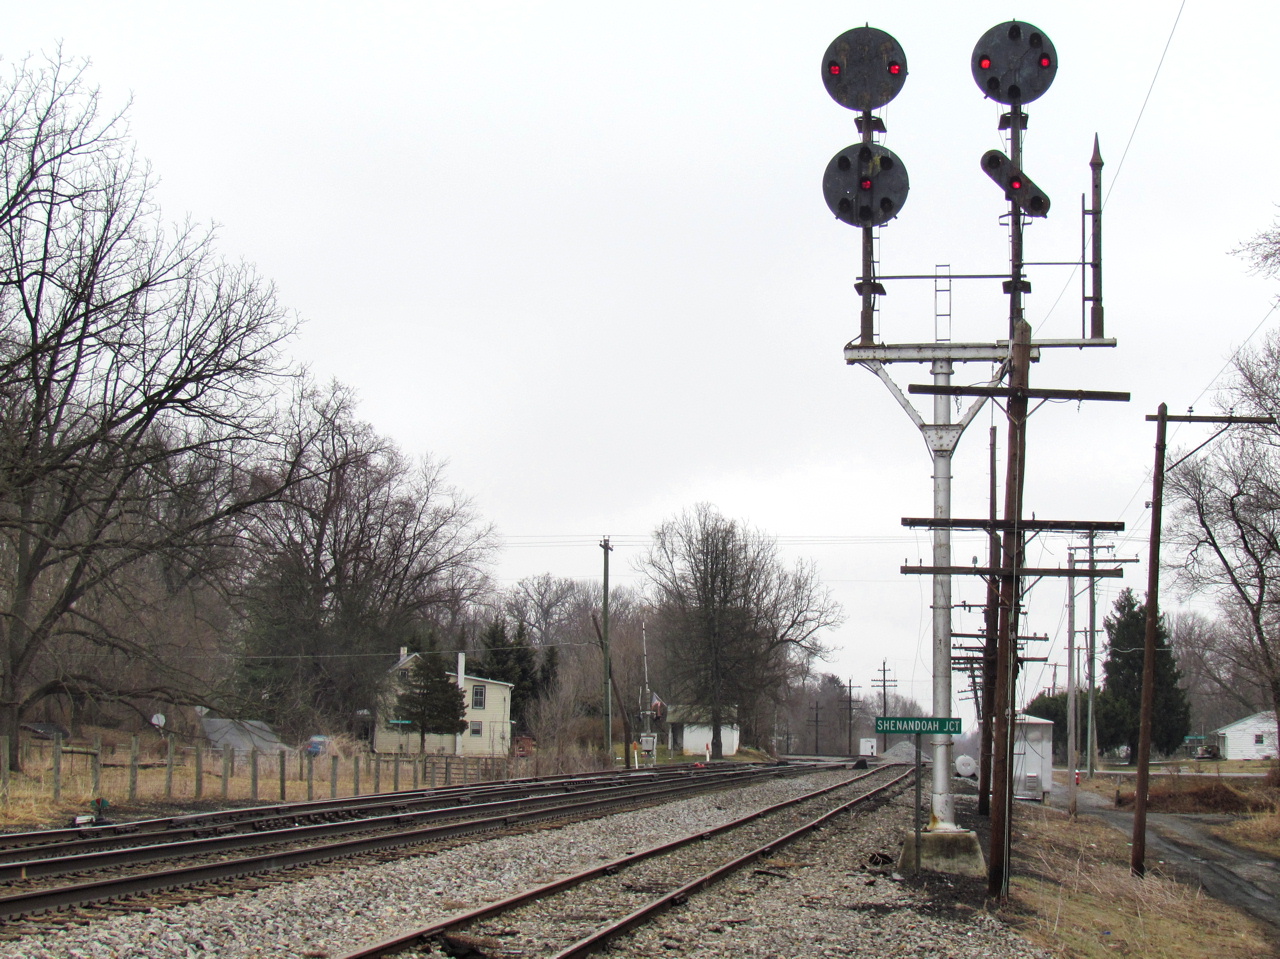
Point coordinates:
[[689, 731], [1253, 737], [488, 718]]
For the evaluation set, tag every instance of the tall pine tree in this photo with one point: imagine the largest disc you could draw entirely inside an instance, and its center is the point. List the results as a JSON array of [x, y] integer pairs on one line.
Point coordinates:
[[512, 660], [1120, 702]]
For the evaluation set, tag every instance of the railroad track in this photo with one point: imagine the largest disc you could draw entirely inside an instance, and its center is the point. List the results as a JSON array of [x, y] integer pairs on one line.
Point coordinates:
[[268, 816], [219, 858], [579, 914]]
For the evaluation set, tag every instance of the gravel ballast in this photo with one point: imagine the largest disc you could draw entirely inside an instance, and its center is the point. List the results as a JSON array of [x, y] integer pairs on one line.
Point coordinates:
[[818, 897]]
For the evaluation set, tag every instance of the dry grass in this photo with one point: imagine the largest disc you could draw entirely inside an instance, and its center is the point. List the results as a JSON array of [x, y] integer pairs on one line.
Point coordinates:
[[29, 801], [1073, 895], [1260, 832]]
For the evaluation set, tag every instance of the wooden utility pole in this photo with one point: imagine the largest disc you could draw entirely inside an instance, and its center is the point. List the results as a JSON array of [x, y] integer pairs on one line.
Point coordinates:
[[1137, 860], [884, 684], [1011, 560]]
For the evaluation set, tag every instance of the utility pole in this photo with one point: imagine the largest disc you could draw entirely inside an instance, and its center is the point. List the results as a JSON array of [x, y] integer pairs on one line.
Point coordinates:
[[817, 707], [1091, 547], [1137, 860], [604, 643], [884, 684], [1071, 688], [851, 688], [1093, 658]]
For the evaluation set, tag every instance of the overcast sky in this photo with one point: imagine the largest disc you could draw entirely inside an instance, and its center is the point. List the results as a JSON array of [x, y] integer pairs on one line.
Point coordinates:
[[580, 251]]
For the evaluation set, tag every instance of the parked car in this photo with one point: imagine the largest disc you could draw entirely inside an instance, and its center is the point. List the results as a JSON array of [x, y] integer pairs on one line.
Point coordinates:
[[1207, 752], [316, 745]]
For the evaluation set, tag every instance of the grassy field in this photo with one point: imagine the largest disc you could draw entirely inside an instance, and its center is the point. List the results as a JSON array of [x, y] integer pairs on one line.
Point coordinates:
[[1073, 895]]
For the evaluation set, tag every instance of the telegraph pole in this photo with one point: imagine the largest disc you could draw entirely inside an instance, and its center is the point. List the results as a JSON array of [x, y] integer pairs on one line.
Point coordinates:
[[851, 688], [884, 684], [1137, 863], [1071, 688], [817, 708]]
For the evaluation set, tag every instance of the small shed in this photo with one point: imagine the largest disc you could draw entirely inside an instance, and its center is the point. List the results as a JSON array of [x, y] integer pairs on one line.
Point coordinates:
[[689, 731], [488, 718], [1253, 737], [1032, 758]]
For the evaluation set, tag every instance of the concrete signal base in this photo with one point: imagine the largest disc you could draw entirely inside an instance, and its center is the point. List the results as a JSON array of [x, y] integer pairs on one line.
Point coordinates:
[[959, 853]]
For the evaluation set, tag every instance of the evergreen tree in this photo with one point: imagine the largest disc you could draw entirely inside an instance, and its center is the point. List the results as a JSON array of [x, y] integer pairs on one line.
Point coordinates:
[[429, 701], [512, 660], [1119, 704]]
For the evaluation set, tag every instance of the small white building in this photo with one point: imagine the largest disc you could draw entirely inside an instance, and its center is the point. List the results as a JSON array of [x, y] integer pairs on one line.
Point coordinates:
[[689, 731], [488, 718], [1253, 737], [1032, 758]]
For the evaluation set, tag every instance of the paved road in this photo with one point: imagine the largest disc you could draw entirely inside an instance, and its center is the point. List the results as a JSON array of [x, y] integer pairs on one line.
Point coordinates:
[[1241, 877]]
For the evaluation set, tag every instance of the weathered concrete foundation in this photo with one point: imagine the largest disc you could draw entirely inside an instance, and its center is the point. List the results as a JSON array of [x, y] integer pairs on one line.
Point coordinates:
[[951, 852]]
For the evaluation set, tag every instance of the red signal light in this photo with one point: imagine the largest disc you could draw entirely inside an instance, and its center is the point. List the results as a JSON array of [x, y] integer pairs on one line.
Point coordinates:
[[895, 69], [1015, 183], [833, 68], [984, 63], [1044, 60], [864, 183]]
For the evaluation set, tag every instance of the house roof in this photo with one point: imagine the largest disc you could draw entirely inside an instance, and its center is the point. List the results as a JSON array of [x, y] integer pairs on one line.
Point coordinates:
[[1266, 716], [449, 672]]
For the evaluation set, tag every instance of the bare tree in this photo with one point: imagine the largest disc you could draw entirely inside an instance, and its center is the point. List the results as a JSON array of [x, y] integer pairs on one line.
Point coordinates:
[[354, 560], [137, 374], [732, 618], [1217, 668], [1226, 519]]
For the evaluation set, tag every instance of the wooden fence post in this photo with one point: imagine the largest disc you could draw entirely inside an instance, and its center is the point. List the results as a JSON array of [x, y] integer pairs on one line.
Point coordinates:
[[377, 774], [311, 777], [253, 773], [355, 774], [96, 765], [228, 765], [4, 769], [333, 777], [57, 767], [133, 769], [199, 770], [283, 759], [168, 766], [395, 774]]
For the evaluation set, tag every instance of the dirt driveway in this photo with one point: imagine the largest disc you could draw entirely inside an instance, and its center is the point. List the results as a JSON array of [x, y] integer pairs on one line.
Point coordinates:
[[1243, 878]]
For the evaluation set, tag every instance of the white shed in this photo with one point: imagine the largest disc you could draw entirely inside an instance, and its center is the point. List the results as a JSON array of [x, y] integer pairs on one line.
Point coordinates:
[[689, 731], [1032, 758], [1253, 737]]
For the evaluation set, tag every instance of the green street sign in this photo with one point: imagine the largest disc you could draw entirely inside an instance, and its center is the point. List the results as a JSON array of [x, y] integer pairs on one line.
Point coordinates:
[[918, 725]]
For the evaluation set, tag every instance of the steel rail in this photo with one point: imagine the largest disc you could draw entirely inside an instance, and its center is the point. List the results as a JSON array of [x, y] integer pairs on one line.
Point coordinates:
[[36, 901], [397, 944]]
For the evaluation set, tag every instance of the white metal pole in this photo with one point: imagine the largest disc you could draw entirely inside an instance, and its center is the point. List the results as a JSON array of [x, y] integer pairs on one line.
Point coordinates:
[[943, 801]]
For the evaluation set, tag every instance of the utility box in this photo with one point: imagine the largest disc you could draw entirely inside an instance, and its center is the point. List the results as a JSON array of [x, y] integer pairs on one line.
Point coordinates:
[[1032, 758], [867, 747]]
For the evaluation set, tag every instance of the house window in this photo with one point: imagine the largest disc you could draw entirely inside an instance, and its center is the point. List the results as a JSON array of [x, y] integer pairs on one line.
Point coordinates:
[[1257, 739], [477, 697], [477, 729]]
